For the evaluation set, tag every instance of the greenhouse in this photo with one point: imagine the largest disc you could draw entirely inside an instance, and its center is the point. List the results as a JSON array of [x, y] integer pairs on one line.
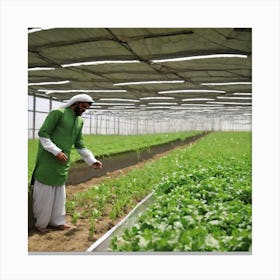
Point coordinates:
[[144, 80], [171, 121]]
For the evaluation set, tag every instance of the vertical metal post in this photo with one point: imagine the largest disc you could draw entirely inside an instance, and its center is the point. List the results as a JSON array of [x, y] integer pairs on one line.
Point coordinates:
[[101, 124], [118, 125], [90, 121], [115, 121], [50, 103], [34, 116], [146, 132], [96, 124], [107, 123]]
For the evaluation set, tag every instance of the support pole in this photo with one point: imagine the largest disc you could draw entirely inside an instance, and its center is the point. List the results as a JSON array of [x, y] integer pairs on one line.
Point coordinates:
[[96, 124], [90, 121], [50, 103], [34, 116]]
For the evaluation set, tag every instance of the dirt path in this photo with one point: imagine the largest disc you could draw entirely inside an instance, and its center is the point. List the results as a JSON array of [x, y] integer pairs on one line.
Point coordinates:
[[77, 240]]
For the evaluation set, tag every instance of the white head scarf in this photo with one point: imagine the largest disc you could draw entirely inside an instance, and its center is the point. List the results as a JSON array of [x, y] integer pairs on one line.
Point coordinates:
[[78, 98]]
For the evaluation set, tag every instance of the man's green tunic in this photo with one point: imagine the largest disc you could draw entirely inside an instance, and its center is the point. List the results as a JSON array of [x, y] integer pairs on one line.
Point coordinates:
[[64, 129]]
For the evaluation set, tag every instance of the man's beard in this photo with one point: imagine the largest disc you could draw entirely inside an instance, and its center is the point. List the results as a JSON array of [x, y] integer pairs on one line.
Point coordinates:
[[78, 110]]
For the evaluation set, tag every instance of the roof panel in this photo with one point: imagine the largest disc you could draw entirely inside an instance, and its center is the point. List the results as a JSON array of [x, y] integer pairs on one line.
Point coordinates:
[[139, 67], [137, 77], [201, 42], [88, 51], [66, 74], [218, 63], [129, 34], [35, 60], [65, 36], [58, 46]]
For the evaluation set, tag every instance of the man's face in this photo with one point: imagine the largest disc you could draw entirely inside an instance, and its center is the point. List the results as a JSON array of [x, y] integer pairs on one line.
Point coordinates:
[[81, 107]]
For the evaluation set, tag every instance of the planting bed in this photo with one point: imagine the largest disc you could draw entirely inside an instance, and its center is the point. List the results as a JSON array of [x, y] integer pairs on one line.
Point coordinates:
[[212, 189], [83, 201], [205, 205], [81, 172], [106, 146], [103, 243]]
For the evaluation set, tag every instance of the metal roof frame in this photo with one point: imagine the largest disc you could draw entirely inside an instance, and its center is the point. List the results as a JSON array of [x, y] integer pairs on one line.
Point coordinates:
[[174, 63]]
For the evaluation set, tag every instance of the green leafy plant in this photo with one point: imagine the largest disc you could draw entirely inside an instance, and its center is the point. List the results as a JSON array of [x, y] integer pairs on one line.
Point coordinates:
[[104, 145], [75, 217], [203, 205], [95, 214]]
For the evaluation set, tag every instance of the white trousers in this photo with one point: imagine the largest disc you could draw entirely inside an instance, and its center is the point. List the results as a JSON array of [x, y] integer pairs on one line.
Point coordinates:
[[49, 205]]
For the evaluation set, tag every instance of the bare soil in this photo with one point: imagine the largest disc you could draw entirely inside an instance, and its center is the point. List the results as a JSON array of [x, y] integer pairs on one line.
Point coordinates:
[[79, 240]]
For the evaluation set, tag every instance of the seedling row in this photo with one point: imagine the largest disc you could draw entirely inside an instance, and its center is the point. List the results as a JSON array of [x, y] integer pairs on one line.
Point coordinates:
[[203, 199], [104, 145], [204, 205]]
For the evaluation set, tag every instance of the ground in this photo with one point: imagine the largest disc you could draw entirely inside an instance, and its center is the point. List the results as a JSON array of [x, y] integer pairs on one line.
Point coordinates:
[[77, 240]]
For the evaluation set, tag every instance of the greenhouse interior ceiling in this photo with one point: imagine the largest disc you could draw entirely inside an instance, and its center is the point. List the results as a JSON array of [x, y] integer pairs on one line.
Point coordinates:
[[163, 71]]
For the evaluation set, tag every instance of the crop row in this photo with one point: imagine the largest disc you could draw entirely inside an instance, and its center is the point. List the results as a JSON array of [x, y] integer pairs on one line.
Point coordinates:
[[204, 205], [103, 145], [115, 197]]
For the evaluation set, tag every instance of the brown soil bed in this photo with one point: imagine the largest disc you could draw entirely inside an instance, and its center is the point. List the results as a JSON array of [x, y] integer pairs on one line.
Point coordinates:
[[79, 240]]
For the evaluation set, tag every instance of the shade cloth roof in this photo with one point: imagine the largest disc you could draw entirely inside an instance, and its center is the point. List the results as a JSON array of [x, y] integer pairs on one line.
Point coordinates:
[[144, 69]]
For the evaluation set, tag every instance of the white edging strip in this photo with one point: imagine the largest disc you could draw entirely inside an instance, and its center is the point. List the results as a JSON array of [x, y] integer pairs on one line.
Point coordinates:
[[108, 233]]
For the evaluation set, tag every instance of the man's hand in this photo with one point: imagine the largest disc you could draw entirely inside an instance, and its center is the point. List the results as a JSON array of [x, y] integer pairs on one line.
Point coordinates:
[[97, 165], [61, 157]]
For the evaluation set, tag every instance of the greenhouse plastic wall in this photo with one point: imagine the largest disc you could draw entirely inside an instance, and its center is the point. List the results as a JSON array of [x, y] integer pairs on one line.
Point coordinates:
[[109, 123]]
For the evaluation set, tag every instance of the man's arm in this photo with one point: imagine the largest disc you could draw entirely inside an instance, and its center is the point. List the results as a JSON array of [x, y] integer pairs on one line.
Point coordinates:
[[45, 135], [89, 158], [85, 153], [49, 146]]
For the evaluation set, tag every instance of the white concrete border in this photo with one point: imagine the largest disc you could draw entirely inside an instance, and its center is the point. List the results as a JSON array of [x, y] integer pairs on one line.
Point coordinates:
[[109, 233]]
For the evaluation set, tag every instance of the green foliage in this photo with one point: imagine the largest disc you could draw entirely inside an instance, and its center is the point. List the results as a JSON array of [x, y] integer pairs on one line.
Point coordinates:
[[32, 154], [202, 203], [74, 218], [103, 145]]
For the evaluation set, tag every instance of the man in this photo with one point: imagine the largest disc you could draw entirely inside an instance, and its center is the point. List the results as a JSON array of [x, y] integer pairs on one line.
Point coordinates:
[[60, 131]]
